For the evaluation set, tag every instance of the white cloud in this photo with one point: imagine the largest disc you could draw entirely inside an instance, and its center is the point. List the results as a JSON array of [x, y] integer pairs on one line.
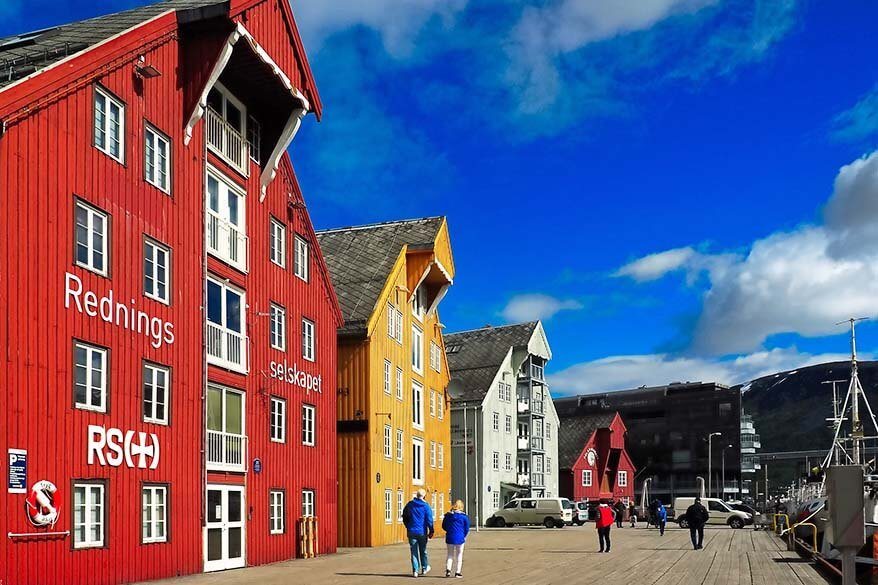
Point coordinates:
[[532, 307], [654, 266], [859, 122], [632, 371]]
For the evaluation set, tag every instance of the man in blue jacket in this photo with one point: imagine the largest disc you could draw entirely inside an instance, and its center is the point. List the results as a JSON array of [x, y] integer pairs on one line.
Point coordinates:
[[418, 519]]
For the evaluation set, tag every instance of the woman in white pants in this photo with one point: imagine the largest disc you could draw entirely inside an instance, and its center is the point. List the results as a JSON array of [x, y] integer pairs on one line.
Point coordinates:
[[456, 527]]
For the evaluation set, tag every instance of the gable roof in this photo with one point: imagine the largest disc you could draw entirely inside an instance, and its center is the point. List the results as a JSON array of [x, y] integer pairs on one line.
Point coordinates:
[[575, 432], [475, 356], [360, 260]]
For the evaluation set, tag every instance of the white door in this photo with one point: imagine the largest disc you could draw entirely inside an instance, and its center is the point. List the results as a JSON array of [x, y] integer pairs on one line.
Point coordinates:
[[224, 535]]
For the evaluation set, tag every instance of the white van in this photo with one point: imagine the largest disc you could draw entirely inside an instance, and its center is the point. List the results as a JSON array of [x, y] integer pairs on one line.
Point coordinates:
[[719, 512], [550, 512]]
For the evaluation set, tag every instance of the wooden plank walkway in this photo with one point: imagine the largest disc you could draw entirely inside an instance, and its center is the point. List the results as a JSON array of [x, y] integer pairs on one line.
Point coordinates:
[[530, 556]]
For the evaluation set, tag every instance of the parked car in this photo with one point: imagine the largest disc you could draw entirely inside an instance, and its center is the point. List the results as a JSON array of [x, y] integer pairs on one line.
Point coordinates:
[[742, 507], [580, 512], [720, 512], [550, 512]]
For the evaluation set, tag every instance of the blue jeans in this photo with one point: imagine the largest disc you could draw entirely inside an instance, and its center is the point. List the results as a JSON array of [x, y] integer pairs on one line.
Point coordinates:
[[418, 544]]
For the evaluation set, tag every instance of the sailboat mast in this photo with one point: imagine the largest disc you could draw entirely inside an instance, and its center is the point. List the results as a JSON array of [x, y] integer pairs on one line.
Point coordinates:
[[856, 424]]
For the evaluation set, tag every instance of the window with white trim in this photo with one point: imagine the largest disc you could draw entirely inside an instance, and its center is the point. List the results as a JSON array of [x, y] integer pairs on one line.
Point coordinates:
[[548, 465], [277, 242], [226, 220], [440, 456], [156, 393], [417, 461], [508, 427], [90, 376], [400, 440], [434, 501], [154, 514], [440, 405], [417, 349], [432, 403], [586, 478], [89, 514], [495, 461], [400, 505], [308, 503], [388, 506], [92, 238], [417, 405], [495, 422], [278, 420], [302, 267], [508, 462], [442, 506], [309, 415], [394, 323], [276, 511], [548, 431], [156, 268], [432, 454], [388, 383], [109, 124], [495, 495], [622, 478], [157, 158], [226, 324], [254, 139], [419, 303], [278, 332], [227, 130], [435, 357], [388, 447], [308, 340], [399, 391]]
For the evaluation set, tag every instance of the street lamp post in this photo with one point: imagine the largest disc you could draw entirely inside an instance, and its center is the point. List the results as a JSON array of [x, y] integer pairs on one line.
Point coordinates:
[[710, 463], [722, 493]]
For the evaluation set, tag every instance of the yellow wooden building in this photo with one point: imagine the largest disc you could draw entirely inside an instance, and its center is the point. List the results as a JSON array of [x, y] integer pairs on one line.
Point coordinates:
[[393, 412]]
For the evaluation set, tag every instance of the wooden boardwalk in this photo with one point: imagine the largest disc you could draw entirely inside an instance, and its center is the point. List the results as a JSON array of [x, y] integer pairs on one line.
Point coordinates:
[[565, 557]]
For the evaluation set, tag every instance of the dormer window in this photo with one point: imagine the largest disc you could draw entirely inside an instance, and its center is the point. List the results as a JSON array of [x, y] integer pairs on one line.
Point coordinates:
[[227, 128], [419, 303]]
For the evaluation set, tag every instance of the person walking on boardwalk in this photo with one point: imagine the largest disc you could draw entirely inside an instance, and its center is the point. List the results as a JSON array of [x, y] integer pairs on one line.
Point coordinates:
[[417, 516], [603, 522], [696, 518], [661, 516], [619, 509], [632, 514], [456, 527]]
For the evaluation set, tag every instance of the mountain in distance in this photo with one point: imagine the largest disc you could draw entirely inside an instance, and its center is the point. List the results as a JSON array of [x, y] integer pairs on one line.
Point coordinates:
[[790, 409]]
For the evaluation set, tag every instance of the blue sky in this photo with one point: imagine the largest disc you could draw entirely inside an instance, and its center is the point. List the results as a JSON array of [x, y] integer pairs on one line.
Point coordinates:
[[680, 189]]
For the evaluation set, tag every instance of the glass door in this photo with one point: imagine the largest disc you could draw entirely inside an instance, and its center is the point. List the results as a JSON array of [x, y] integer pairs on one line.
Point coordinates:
[[224, 533]]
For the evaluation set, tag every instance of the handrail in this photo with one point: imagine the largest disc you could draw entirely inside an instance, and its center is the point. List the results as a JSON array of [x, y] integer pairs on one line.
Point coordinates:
[[36, 534], [774, 518], [791, 531]]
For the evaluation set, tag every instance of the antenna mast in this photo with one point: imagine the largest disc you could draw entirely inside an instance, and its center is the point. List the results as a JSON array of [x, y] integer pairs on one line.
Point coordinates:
[[855, 390]]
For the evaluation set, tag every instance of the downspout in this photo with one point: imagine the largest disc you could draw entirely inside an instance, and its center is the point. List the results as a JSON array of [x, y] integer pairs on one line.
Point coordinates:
[[203, 346]]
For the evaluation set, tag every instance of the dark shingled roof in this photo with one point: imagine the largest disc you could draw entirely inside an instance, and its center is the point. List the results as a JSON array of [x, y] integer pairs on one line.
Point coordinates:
[[360, 259], [476, 355], [27, 53], [575, 431]]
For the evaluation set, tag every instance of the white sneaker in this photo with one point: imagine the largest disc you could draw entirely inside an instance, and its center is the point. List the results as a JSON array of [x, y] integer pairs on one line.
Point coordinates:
[[414, 573], [426, 570]]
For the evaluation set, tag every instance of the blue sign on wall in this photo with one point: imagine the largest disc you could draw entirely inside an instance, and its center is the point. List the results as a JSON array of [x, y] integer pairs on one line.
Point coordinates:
[[17, 471], [257, 466]]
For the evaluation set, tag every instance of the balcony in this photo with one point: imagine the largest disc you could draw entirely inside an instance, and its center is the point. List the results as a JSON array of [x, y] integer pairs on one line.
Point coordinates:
[[227, 242], [226, 451], [523, 479], [537, 480], [523, 406], [227, 142], [536, 443], [523, 443], [226, 348]]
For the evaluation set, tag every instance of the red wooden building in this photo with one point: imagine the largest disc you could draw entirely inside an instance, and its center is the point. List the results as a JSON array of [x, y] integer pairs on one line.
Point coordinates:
[[592, 460], [168, 327]]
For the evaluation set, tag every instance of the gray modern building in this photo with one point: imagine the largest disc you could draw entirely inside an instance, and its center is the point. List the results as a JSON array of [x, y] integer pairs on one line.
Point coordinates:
[[504, 429]]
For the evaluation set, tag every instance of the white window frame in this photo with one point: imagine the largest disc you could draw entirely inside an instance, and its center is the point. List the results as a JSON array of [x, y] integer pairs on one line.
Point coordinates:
[[388, 506], [419, 308], [586, 478], [622, 478], [152, 378], [94, 495], [308, 339], [92, 214], [277, 242], [394, 323], [228, 97], [90, 352], [276, 512], [277, 420], [388, 442], [229, 234], [440, 405], [302, 258], [152, 138], [399, 384], [417, 349], [508, 462], [435, 357], [224, 330], [495, 422], [109, 100], [440, 456], [154, 515], [159, 256], [309, 423], [548, 464], [495, 461], [400, 444], [547, 428], [254, 139], [277, 331], [400, 505], [432, 403], [508, 423], [417, 461], [496, 499], [417, 405], [432, 454], [309, 503], [388, 374]]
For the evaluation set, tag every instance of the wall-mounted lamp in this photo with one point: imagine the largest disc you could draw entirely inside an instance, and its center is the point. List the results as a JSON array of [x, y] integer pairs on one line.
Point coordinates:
[[145, 71]]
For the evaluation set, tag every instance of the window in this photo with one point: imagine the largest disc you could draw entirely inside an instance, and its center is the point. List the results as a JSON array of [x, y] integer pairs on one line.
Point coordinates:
[[433, 403], [508, 466], [301, 266], [254, 139], [400, 505], [508, 427], [400, 439], [308, 340], [505, 392], [495, 421], [388, 448], [156, 383], [496, 499], [89, 377], [417, 405], [419, 303], [434, 501], [226, 441], [91, 238], [226, 220], [278, 333], [226, 342], [109, 124], [440, 405], [435, 357], [432, 454], [388, 506], [440, 452], [277, 238], [156, 266], [276, 512], [157, 154], [548, 465], [308, 503], [226, 128], [548, 431], [278, 420], [442, 506], [89, 514], [417, 461], [622, 479], [399, 383], [154, 514], [417, 349], [586, 478], [309, 413], [394, 323], [388, 367], [495, 459]]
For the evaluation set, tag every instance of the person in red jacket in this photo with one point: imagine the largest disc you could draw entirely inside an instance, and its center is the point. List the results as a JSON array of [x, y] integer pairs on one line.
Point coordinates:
[[603, 522]]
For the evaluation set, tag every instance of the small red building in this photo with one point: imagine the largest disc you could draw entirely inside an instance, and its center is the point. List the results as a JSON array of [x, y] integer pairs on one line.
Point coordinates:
[[168, 327], [592, 459]]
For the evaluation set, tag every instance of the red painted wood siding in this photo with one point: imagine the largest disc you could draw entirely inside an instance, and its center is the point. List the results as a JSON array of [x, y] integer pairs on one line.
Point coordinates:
[[602, 441]]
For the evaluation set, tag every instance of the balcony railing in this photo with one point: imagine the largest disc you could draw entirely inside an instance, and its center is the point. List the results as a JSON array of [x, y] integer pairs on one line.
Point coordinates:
[[523, 479], [227, 349], [226, 451], [227, 142], [523, 443], [227, 242], [536, 443], [537, 406], [537, 479]]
